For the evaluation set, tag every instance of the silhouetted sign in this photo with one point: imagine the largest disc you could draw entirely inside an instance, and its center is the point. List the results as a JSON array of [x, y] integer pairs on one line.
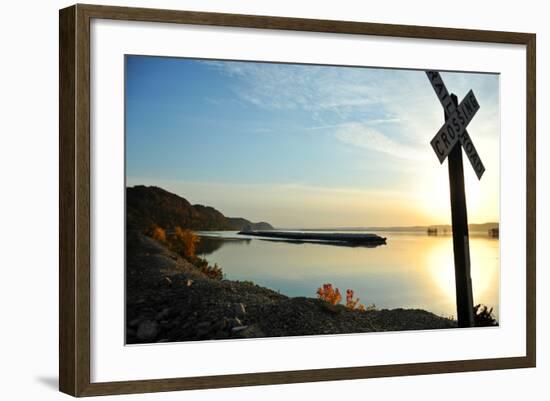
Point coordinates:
[[457, 117], [454, 128]]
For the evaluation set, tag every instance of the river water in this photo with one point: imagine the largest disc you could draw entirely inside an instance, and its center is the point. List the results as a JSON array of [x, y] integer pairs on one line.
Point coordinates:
[[413, 270]]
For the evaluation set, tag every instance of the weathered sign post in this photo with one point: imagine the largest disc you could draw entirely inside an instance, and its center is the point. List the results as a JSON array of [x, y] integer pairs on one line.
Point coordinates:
[[457, 117]]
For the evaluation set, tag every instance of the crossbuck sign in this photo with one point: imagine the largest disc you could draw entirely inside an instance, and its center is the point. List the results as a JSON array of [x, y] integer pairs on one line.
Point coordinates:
[[454, 129], [449, 141]]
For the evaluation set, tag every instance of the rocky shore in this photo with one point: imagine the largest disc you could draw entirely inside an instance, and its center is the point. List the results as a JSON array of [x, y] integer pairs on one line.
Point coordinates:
[[168, 299]]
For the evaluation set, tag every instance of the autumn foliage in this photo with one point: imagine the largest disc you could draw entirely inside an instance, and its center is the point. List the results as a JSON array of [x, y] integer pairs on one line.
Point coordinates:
[[353, 303], [158, 234], [332, 295], [329, 294], [184, 242]]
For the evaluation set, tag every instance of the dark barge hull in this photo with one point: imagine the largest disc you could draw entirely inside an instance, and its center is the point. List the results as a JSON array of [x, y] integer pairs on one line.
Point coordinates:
[[350, 238]]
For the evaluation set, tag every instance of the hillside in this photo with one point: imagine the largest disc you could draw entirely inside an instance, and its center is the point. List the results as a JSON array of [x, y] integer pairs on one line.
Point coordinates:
[[146, 206], [241, 224]]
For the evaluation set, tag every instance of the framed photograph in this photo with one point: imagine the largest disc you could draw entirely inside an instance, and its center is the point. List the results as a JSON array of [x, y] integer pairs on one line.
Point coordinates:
[[249, 200]]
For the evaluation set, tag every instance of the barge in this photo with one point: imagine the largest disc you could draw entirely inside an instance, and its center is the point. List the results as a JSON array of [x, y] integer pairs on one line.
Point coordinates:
[[348, 238]]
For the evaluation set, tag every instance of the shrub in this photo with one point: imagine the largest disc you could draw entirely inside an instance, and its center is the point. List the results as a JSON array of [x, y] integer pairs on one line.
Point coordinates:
[[156, 232], [329, 294], [483, 316], [353, 303], [215, 272], [371, 308], [184, 242], [159, 234], [332, 295]]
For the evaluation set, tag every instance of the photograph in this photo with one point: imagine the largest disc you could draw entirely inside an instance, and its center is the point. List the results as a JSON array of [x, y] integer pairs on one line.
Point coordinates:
[[268, 199]]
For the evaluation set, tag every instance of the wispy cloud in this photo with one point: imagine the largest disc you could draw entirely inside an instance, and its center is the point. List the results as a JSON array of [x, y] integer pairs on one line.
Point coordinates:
[[387, 111], [310, 88], [334, 96], [377, 121], [365, 137], [385, 121]]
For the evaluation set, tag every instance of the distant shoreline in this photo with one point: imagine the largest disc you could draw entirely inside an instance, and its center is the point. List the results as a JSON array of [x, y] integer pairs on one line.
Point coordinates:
[[476, 227]]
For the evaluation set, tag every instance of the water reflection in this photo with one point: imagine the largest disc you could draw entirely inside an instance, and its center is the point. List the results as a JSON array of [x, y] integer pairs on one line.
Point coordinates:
[[484, 254], [210, 244], [411, 271]]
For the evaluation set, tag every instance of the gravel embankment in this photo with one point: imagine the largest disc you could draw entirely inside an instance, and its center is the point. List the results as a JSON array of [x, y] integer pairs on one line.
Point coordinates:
[[169, 300]]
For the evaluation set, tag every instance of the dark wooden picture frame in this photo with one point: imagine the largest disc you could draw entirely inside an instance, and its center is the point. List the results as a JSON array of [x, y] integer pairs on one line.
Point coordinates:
[[74, 203]]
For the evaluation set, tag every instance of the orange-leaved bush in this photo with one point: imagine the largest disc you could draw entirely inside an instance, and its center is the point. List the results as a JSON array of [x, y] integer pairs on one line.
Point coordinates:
[[158, 234], [329, 294], [185, 242], [353, 303], [332, 295]]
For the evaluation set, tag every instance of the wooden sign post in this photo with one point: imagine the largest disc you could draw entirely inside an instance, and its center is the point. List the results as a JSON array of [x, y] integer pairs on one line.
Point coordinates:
[[457, 117]]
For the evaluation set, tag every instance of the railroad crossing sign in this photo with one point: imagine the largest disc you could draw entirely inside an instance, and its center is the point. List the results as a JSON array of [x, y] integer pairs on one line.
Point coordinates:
[[454, 128], [445, 144]]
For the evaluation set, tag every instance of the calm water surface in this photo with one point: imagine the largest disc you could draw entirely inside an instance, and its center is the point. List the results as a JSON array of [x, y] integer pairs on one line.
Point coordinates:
[[413, 270]]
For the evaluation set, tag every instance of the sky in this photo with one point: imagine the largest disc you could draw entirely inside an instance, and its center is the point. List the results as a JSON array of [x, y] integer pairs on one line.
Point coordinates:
[[306, 146]]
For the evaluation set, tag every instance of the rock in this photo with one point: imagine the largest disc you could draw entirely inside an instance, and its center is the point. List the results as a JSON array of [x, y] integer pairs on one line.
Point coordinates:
[[170, 324], [221, 324], [202, 325], [202, 328], [252, 331], [331, 308], [147, 330], [162, 315], [135, 322], [239, 309], [236, 329], [219, 335]]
